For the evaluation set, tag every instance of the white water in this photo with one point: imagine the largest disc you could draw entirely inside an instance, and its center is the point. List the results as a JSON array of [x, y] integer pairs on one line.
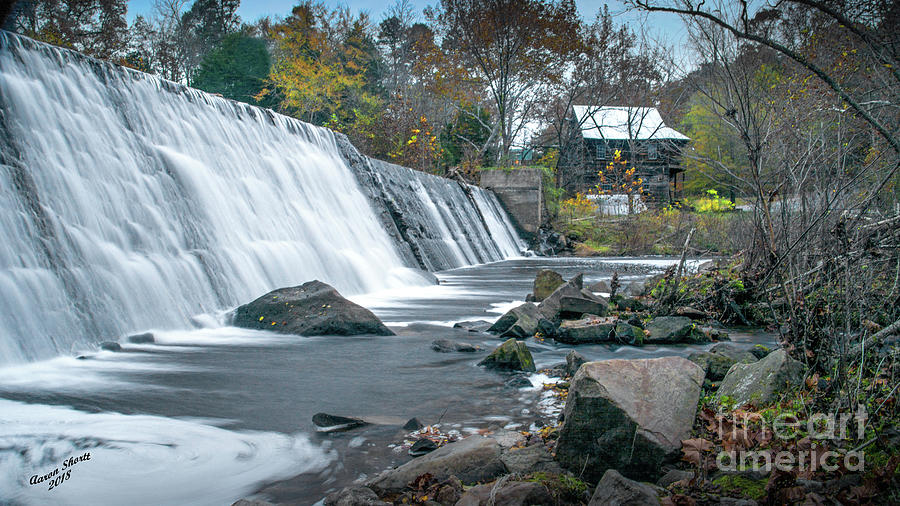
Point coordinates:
[[128, 203], [140, 459]]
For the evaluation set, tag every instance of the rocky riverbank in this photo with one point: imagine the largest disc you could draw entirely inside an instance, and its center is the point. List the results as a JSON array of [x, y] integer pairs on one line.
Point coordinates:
[[724, 426]]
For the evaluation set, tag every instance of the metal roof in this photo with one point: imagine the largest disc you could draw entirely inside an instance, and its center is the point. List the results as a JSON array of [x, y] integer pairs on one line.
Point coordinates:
[[615, 123]]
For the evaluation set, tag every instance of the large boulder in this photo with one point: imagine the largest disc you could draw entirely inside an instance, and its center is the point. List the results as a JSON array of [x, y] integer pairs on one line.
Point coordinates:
[[511, 355], [761, 382], [311, 309], [513, 493], [545, 283], [529, 459], [586, 331], [448, 346], [576, 307], [519, 322], [629, 415], [551, 307], [354, 496], [673, 329], [472, 459], [615, 489]]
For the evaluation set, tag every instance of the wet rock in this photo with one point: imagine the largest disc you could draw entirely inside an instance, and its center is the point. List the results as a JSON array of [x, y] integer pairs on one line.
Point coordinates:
[[519, 322], [472, 459], [620, 491], [448, 346], [627, 333], [473, 325], [547, 328], [761, 382], [145, 338], [573, 362], [518, 381], [759, 351], [587, 331], [333, 423], [413, 424], [530, 459], [421, 447], [673, 329], [354, 496], [601, 286], [629, 415], [545, 283], [714, 333], [110, 346], [576, 307], [734, 352], [511, 355], [674, 476], [515, 493], [311, 309]]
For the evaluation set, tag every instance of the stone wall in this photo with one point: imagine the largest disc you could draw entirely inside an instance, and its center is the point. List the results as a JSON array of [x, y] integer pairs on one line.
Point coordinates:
[[521, 193]]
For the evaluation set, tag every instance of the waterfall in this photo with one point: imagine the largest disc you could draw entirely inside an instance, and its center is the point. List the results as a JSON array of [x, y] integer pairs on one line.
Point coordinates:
[[130, 202]]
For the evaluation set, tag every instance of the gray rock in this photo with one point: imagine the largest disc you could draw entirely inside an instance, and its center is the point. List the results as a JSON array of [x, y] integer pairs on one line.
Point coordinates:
[[471, 460], [511, 355], [110, 346], [692, 313], [422, 446], [448, 346], [673, 476], [530, 459], [734, 352], [311, 309], [601, 286], [629, 334], [473, 325], [518, 381], [514, 493], [714, 364], [354, 496], [520, 322], [615, 489], [333, 423], [550, 307], [545, 283], [251, 502], [629, 415], [573, 362], [761, 382], [413, 424], [673, 329], [634, 288], [629, 304], [145, 338], [575, 307], [586, 331], [731, 501]]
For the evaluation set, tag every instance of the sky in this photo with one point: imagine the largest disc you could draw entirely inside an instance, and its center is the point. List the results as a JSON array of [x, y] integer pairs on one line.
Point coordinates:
[[665, 27]]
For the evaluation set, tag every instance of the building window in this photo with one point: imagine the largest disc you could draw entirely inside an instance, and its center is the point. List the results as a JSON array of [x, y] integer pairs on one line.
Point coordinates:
[[652, 151], [601, 150]]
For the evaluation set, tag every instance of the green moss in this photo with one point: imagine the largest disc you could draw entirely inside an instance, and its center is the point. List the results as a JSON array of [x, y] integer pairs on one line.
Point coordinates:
[[733, 484], [565, 487]]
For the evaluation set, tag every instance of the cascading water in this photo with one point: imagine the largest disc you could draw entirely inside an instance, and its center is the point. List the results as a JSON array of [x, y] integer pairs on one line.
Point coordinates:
[[129, 202]]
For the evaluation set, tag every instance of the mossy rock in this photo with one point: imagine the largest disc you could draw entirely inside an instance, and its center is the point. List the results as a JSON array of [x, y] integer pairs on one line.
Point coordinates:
[[545, 283], [629, 334], [511, 355], [736, 485]]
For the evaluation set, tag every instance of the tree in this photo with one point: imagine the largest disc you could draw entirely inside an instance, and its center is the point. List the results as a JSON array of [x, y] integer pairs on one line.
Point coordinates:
[[94, 27], [236, 69], [514, 48]]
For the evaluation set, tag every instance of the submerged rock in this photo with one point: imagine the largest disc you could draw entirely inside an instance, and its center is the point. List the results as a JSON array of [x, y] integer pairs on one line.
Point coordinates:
[[673, 329], [615, 489], [629, 415], [145, 338], [110, 346], [545, 283], [521, 321], [760, 383], [448, 346], [511, 355], [472, 459], [473, 325], [311, 309], [333, 423]]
